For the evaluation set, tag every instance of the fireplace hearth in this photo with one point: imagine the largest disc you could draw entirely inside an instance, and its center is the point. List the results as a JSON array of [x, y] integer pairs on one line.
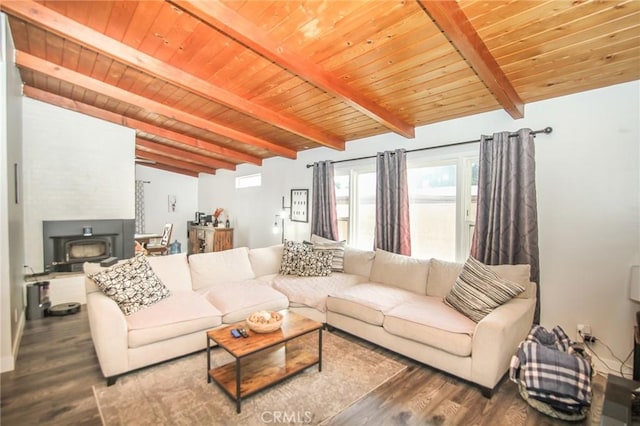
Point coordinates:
[[68, 244]]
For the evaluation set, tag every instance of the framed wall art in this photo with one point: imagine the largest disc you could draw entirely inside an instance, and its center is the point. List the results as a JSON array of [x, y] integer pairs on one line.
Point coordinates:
[[300, 205]]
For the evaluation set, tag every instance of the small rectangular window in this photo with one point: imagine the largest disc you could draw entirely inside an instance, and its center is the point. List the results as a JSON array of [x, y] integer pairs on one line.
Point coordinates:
[[249, 181]]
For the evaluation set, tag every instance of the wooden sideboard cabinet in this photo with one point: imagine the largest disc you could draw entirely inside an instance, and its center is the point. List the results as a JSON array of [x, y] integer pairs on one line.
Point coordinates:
[[205, 239]]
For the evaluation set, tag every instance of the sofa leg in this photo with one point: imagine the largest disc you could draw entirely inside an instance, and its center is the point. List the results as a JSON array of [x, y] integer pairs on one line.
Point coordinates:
[[111, 380], [486, 392]]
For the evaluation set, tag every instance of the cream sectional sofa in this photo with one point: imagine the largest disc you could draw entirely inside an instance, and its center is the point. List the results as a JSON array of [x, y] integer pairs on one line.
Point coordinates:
[[207, 291], [391, 300], [401, 308]]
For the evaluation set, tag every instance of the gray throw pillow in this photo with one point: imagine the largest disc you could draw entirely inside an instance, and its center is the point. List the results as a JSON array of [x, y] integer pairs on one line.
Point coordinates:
[[132, 284], [478, 290]]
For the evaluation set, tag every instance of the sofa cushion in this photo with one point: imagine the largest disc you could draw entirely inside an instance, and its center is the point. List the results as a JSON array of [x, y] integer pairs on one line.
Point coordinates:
[[367, 302], [132, 284], [358, 262], [335, 247], [268, 279], [237, 301], [478, 290], [173, 271], [180, 314], [313, 291], [442, 277], [266, 260], [426, 319], [220, 267], [401, 271], [520, 274]]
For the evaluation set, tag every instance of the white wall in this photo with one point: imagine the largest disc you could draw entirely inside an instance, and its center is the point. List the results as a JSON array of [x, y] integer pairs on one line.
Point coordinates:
[[77, 167], [11, 210], [588, 182], [156, 192], [251, 210], [6, 357]]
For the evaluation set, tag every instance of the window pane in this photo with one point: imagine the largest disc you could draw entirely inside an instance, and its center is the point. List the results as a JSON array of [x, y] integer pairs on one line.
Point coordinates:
[[342, 205], [473, 204], [432, 199], [249, 181], [365, 215], [342, 186]]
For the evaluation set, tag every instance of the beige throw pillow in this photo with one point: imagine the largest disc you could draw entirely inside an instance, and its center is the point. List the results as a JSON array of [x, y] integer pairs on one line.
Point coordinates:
[[478, 290]]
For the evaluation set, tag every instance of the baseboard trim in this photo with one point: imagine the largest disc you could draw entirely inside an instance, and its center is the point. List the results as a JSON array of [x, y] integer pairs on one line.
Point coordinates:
[[18, 337], [8, 362]]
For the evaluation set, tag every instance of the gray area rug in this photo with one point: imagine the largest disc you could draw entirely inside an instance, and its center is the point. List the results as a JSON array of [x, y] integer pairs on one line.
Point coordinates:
[[177, 392]]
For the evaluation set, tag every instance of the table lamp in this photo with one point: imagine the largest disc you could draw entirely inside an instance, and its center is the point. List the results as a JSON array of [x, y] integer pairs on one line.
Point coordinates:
[[634, 288]]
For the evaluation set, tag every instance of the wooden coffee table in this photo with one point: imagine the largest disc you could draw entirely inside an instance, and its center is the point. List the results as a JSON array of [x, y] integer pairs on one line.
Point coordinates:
[[262, 360]]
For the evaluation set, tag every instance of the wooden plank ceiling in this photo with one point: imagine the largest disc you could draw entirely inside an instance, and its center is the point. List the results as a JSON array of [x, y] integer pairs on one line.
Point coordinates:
[[209, 85]]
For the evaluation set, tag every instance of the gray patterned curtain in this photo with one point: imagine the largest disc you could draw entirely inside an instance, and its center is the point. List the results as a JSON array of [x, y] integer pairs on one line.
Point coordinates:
[[324, 215], [392, 203], [139, 207], [506, 230]]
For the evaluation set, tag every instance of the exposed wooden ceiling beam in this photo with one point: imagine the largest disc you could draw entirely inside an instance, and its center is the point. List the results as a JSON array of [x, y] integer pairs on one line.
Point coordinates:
[[192, 142], [456, 26], [237, 27], [172, 169], [182, 154], [112, 117], [67, 28], [160, 159], [57, 71]]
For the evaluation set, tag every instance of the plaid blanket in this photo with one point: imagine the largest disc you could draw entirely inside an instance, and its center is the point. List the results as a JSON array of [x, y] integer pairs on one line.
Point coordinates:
[[552, 371]]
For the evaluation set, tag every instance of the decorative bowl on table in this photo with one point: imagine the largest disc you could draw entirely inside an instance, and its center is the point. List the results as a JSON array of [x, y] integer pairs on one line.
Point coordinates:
[[264, 321]]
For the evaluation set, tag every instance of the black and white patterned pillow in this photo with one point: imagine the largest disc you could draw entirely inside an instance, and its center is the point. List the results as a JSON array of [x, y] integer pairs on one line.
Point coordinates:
[[315, 264], [478, 290], [132, 284], [291, 257]]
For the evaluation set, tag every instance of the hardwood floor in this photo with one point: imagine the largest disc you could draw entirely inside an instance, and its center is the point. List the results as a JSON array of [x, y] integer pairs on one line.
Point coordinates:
[[55, 370], [424, 396], [57, 366]]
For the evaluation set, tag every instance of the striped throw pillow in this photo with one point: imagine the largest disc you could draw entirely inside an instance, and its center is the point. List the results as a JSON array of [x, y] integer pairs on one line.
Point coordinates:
[[337, 249], [478, 290]]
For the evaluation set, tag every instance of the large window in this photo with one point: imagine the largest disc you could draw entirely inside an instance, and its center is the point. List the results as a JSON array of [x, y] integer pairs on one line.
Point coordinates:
[[442, 205], [432, 209]]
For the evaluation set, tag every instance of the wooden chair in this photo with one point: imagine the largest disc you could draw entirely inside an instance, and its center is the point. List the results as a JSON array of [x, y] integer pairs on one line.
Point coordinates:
[[161, 248]]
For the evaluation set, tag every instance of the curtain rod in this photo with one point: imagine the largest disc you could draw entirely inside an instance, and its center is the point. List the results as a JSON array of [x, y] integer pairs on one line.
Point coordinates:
[[546, 130]]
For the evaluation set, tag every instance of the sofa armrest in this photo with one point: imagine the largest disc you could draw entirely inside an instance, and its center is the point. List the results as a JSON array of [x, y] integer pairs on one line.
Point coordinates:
[[109, 334], [496, 339]]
